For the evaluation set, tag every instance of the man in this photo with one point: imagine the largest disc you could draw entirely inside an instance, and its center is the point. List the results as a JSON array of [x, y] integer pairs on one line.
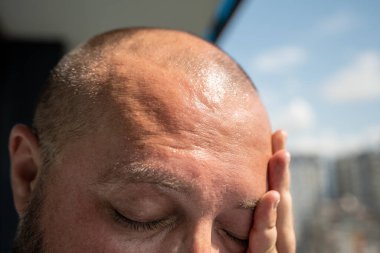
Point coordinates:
[[150, 140]]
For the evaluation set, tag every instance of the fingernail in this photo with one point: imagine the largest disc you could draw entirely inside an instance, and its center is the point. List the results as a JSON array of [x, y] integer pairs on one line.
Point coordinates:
[[288, 157], [285, 134]]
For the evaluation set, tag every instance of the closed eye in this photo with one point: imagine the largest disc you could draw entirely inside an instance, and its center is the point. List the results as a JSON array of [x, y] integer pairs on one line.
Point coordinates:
[[140, 226], [242, 242]]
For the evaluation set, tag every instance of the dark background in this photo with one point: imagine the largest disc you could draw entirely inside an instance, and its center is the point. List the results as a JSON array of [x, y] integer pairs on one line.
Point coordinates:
[[24, 68]]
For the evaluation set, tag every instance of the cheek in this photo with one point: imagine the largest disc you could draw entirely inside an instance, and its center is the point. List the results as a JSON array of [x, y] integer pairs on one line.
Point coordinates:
[[68, 223]]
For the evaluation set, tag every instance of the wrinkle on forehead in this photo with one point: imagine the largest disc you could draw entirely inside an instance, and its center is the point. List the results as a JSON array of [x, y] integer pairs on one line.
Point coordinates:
[[186, 93], [162, 108], [150, 98]]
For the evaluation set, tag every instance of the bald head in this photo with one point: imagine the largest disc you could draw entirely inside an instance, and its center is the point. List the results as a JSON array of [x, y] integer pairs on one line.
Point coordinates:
[[149, 82], [149, 134]]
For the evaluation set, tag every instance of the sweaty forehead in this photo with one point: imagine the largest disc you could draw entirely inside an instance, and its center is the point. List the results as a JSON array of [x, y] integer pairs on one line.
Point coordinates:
[[150, 97], [179, 67], [173, 85], [168, 103], [199, 60]]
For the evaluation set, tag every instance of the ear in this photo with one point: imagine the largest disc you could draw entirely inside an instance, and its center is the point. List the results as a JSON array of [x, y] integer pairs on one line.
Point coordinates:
[[25, 165]]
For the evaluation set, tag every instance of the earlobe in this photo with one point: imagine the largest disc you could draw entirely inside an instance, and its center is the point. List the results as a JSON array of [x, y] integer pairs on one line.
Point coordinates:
[[25, 164]]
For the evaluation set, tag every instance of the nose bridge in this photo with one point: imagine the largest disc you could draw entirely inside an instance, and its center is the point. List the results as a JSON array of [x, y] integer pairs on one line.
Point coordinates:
[[199, 238]]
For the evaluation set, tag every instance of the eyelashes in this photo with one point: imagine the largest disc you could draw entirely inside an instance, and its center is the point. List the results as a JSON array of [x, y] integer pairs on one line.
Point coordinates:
[[143, 226], [160, 224], [242, 242]]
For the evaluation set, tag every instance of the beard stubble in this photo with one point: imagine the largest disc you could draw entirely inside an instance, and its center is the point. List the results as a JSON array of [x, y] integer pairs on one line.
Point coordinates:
[[29, 235]]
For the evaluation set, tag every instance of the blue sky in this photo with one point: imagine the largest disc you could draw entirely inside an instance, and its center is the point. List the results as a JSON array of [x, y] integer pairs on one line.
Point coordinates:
[[317, 67]]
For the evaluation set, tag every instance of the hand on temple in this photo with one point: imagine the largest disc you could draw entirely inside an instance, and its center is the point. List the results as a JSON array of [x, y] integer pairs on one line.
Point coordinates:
[[272, 228]]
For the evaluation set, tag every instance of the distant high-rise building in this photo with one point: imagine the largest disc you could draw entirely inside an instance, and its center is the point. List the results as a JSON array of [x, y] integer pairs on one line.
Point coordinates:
[[309, 184], [337, 203], [359, 175]]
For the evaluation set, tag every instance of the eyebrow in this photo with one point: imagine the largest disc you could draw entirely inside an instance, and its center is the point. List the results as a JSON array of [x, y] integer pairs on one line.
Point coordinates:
[[249, 204], [137, 172]]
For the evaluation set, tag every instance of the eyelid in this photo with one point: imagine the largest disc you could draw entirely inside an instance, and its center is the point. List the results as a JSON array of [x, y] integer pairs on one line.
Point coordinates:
[[236, 238], [139, 226]]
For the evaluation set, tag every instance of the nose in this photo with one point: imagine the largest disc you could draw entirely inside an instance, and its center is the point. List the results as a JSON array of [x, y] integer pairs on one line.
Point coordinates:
[[199, 239]]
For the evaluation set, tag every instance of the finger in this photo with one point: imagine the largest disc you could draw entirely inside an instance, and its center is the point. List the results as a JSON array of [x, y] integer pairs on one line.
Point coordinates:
[[279, 175], [263, 235], [279, 180], [279, 140]]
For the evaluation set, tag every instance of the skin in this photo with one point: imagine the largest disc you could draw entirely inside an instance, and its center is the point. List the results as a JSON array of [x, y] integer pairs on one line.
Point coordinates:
[[183, 178]]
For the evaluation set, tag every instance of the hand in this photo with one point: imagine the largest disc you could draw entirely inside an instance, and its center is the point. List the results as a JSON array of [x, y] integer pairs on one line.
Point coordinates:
[[272, 229]]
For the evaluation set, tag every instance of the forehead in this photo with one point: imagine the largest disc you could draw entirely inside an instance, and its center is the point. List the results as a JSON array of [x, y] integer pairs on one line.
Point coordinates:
[[195, 128], [210, 110], [200, 174], [205, 158]]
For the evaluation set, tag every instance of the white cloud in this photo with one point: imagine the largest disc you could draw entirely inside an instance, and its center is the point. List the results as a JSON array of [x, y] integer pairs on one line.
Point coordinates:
[[296, 116], [337, 23], [331, 143], [279, 60], [357, 82]]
